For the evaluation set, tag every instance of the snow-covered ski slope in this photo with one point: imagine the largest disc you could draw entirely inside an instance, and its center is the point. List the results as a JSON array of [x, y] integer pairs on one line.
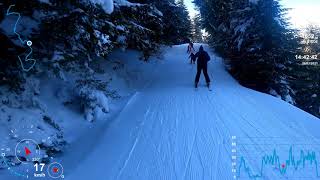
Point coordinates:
[[170, 131]]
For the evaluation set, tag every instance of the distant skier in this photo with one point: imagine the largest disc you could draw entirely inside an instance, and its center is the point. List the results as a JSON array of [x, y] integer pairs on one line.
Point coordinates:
[[202, 65], [191, 51]]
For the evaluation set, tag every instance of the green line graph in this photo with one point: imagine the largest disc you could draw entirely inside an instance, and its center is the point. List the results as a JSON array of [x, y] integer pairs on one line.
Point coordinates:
[[273, 160]]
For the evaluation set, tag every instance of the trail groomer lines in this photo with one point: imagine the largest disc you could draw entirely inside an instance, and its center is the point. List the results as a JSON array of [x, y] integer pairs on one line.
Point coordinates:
[[23, 42]]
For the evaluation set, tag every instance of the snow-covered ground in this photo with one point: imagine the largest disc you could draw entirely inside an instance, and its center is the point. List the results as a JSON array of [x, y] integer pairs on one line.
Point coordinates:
[[53, 117], [167, 130], [162, 128]]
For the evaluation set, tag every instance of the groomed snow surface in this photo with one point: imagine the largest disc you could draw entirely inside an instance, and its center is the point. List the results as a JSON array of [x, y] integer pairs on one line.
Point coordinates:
[[168, 130]]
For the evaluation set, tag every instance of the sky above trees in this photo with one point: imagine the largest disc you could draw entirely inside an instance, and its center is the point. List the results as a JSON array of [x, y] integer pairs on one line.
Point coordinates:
[[191, 7], [303, 12]]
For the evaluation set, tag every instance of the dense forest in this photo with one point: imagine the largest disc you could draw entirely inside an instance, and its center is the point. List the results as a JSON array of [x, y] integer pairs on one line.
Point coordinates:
[[108, 84], [254, 37], [262, 50], [70, 34], [60, 45]]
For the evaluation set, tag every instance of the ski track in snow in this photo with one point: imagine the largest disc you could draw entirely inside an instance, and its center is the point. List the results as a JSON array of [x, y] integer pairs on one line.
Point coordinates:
[[170, 131]]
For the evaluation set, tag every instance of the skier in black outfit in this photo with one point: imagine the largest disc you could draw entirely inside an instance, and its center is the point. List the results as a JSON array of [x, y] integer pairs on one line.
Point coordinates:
[[202, 65]]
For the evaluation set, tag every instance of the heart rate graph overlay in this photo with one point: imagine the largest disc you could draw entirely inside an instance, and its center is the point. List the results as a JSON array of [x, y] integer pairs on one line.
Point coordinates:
[[27, 58], [274, 158], [291, 162]]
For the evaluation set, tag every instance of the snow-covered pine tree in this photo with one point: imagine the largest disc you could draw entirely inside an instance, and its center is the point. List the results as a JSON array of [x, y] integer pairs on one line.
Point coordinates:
[[11, 72], [216, 18], [68, 34], [258, 44], [176, 20], [266, 47], [197, 29], [143, 27], [184, 25]]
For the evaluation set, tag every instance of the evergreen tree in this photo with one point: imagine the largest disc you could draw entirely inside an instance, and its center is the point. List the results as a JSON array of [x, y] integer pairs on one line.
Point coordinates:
[[259, 47], [70, 34], [176, 20], [197, 29], [10, 68], [216, 18], [183, 23], [253, 36]]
